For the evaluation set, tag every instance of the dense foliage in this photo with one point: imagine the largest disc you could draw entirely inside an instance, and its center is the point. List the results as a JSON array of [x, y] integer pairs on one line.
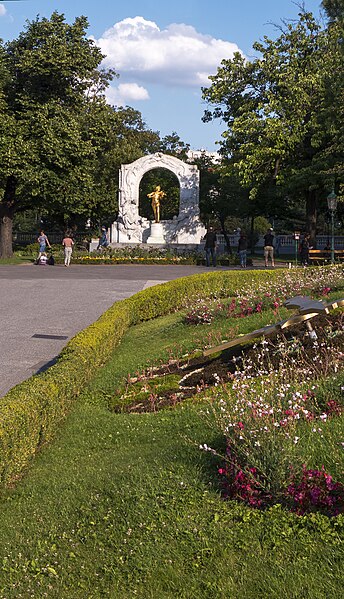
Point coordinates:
[[283, 113], [60, 143]]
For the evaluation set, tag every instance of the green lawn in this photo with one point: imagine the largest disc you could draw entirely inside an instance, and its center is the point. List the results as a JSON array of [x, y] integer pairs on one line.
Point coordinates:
[[15, 260], [128, 506]]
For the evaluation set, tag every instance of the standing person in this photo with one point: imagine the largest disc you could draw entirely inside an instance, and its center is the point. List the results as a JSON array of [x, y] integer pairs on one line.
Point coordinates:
[[67, 243], [210, 246], [103, 239], [304, 249], [242, 249], [43, 243], [269, 248]]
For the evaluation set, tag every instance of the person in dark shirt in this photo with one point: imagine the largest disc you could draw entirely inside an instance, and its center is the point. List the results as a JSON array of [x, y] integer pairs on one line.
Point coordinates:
[[304, 249], [269, 248], [242, 249], [210, 246]]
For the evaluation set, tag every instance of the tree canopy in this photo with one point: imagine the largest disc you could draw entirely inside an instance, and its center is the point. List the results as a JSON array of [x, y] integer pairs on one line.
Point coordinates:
[[334, 9], [283, 112], [61, 144]]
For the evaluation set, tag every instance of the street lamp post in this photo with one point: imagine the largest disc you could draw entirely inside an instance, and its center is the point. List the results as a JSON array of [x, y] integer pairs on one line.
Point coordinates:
[[332, 206], [297, 239]]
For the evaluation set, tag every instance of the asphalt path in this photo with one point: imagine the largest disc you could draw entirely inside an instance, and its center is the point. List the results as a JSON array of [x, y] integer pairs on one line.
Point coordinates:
[[42, 307]]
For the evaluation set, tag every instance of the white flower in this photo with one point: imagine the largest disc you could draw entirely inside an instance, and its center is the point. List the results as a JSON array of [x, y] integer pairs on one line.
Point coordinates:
[[296, 439]]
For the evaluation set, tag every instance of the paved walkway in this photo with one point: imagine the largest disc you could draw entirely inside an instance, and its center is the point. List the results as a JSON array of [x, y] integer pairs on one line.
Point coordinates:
[[58, 302], [42, 307]]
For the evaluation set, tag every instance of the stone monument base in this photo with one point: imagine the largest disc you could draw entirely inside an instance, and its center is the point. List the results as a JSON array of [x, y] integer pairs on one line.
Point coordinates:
[[156, 234]]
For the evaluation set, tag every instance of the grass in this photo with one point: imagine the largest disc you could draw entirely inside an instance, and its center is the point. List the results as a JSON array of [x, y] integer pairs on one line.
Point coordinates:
[[126, 506], [123, 506], [15, 260], [167, 336]]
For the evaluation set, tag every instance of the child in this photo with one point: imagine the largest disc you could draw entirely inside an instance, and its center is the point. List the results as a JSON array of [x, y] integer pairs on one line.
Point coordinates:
[[43, 259]]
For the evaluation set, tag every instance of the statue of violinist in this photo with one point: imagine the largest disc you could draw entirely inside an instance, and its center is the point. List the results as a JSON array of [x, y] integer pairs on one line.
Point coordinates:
[[156, 196]]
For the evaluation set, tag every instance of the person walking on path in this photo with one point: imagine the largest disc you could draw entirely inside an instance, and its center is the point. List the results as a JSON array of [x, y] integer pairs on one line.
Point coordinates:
[[43, 243], [210, 246], [269, 248], [67, 243], [242, 249]]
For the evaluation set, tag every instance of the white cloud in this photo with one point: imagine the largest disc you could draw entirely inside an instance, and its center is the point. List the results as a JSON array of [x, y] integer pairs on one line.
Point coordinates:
[[125, 93], [2, 10], [175, 56]]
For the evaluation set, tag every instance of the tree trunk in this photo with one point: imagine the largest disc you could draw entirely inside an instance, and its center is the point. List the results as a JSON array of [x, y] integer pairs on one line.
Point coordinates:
[[6, 218], [311, 215]]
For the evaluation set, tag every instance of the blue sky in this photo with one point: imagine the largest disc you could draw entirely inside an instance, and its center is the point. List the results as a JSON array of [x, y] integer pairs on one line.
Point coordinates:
[[164, 50]]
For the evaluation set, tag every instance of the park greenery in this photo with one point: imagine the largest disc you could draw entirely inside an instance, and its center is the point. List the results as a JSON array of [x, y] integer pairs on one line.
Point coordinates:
[[119, 504], [60, 141], [283, 113], [281, 147]]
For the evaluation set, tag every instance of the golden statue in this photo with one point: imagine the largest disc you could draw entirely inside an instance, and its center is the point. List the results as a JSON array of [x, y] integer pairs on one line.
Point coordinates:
[[156, 196]]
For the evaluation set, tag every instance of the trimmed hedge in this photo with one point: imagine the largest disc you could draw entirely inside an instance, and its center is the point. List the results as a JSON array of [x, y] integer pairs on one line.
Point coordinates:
[[31, 412]]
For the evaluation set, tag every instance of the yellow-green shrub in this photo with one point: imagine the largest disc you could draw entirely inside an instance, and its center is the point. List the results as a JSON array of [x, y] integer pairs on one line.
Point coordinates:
[[31, 412]]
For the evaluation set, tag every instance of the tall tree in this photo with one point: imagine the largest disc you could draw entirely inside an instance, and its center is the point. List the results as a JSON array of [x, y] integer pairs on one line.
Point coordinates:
[[45, 155], [118, 135], [172, 144], [275, 107]]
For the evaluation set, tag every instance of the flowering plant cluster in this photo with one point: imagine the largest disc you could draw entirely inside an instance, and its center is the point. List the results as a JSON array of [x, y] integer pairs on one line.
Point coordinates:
[[241, 307], [112, 259], [315, 489], [201, 313], [257, 297], [265, 419], [245, 484], [317, 281]]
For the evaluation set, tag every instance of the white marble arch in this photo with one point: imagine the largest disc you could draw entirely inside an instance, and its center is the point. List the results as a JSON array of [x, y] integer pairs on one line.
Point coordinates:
[[130, 227]]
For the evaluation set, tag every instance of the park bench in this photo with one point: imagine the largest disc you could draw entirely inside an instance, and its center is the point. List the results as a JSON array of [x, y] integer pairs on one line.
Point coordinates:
[[324, 256]]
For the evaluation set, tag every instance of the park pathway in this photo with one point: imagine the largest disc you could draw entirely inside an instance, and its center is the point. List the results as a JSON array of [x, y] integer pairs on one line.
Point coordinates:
[[42, 307]]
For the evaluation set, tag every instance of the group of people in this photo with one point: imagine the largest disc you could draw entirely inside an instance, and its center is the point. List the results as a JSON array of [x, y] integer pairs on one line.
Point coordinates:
[[211, 243], [68, 244], [43, 242], [210, 247]]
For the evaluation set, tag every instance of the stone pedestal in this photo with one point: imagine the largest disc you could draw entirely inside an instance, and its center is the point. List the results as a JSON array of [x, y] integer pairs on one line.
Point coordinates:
[[156, 233]]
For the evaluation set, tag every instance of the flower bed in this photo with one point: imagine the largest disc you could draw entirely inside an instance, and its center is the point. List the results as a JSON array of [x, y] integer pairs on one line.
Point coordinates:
[[280, 416], [32, 411]]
